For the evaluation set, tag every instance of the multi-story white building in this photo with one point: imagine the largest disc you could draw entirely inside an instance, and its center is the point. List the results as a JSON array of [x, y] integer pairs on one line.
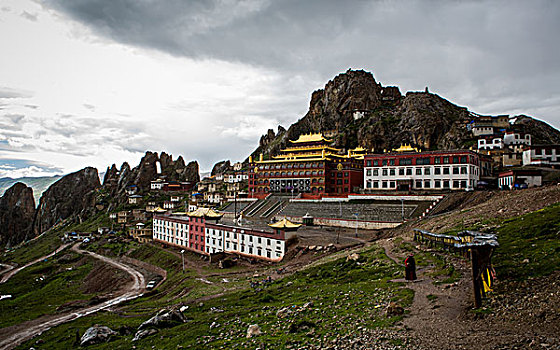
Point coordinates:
[[438, 170], [245, 241], [199, 232], [547, 155], [172, 230]]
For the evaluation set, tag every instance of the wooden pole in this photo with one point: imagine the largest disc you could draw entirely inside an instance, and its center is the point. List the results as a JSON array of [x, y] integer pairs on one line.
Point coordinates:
[[475, 277]]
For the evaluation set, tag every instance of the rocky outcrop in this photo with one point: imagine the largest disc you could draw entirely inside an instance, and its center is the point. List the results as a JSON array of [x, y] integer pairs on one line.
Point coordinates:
[[541, 132], [73, 195], [355, 110], [151, 167], [17, 210], [221, 167]]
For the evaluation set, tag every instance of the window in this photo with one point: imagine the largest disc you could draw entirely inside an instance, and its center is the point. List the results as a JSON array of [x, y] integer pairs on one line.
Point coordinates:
[[375, 163], [384, 184], [368, 172], [384, 172], [437, 160], [392, 184], [437, 184], [463, 184], [408, 171], [455, 184], [437, 171], [392, 172], [427, 171], [401, 171], [339, 182], [445, 160], [418, 171], [368, 184], [455, 170], [445, 183], [368, 162], [391, 162], [446, 170], [426, 183], [405, 161], [418, 184], [346, 174], [455, 159], [376, 184], [375, 172], [463, 170], [463, 159], [422, 161]]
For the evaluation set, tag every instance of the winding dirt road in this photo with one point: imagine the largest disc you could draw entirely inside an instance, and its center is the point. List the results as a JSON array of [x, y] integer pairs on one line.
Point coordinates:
[[12, 271], [11, 337]]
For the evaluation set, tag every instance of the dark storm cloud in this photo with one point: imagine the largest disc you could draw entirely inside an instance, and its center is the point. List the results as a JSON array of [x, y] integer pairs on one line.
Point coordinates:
[[474, 53]]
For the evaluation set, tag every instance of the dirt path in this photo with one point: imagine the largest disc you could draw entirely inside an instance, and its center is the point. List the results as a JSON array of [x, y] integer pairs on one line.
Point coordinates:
[[9, 274], [15, 335], [441, 318]]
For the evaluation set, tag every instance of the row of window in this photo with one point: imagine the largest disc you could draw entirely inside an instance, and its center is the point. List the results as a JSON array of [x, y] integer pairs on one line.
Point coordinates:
[[291, 166], [419, 171], [420, 161], [290, 173], [422, 184]]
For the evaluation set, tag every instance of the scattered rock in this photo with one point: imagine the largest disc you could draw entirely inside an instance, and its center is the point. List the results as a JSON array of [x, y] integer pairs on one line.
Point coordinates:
[[97, 334], [394, 309], [353, 257], [253, 330], [144, 333], [164, 319]]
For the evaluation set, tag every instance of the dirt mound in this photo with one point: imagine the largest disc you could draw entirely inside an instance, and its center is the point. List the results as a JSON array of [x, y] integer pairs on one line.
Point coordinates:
[[104, 278]]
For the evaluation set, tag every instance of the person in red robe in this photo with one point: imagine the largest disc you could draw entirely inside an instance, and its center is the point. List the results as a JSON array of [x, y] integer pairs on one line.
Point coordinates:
[[410, 268]]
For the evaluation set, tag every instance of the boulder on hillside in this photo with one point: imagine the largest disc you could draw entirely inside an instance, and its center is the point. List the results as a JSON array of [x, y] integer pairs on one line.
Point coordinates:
[[97, 334], [17, 210], [164, 319]]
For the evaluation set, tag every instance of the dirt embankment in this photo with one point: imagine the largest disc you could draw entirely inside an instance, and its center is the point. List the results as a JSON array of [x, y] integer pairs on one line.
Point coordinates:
[[468, 209], [104, 278]]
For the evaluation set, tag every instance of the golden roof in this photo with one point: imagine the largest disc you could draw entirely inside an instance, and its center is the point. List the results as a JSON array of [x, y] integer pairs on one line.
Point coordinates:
[[157, 210], [311, 138], [205, 212], [284, 223], [406, 148]]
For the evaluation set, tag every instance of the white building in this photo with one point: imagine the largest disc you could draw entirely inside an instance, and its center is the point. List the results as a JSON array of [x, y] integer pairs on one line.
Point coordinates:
[[157, 184], [212, 237], [547, 155], [513, 139], [172, 230], [517, 178], [438, 170], [482, 130], [490, 144]]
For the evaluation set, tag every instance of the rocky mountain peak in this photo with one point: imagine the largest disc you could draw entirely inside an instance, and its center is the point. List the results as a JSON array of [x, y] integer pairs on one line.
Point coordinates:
[[355, 110], [17, 209], [73, 194]]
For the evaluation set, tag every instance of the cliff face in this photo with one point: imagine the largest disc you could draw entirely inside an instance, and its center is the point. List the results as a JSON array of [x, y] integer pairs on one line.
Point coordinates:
[[73, 194], [354, 110], [220, 167], [116, 181], [17, 210]]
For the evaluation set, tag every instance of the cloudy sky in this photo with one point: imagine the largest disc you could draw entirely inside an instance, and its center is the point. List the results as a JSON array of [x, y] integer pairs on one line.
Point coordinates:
[[96, 82]]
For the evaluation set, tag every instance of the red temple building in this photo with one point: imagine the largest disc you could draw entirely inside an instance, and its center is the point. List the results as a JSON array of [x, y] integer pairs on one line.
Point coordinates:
[[308, 165]]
